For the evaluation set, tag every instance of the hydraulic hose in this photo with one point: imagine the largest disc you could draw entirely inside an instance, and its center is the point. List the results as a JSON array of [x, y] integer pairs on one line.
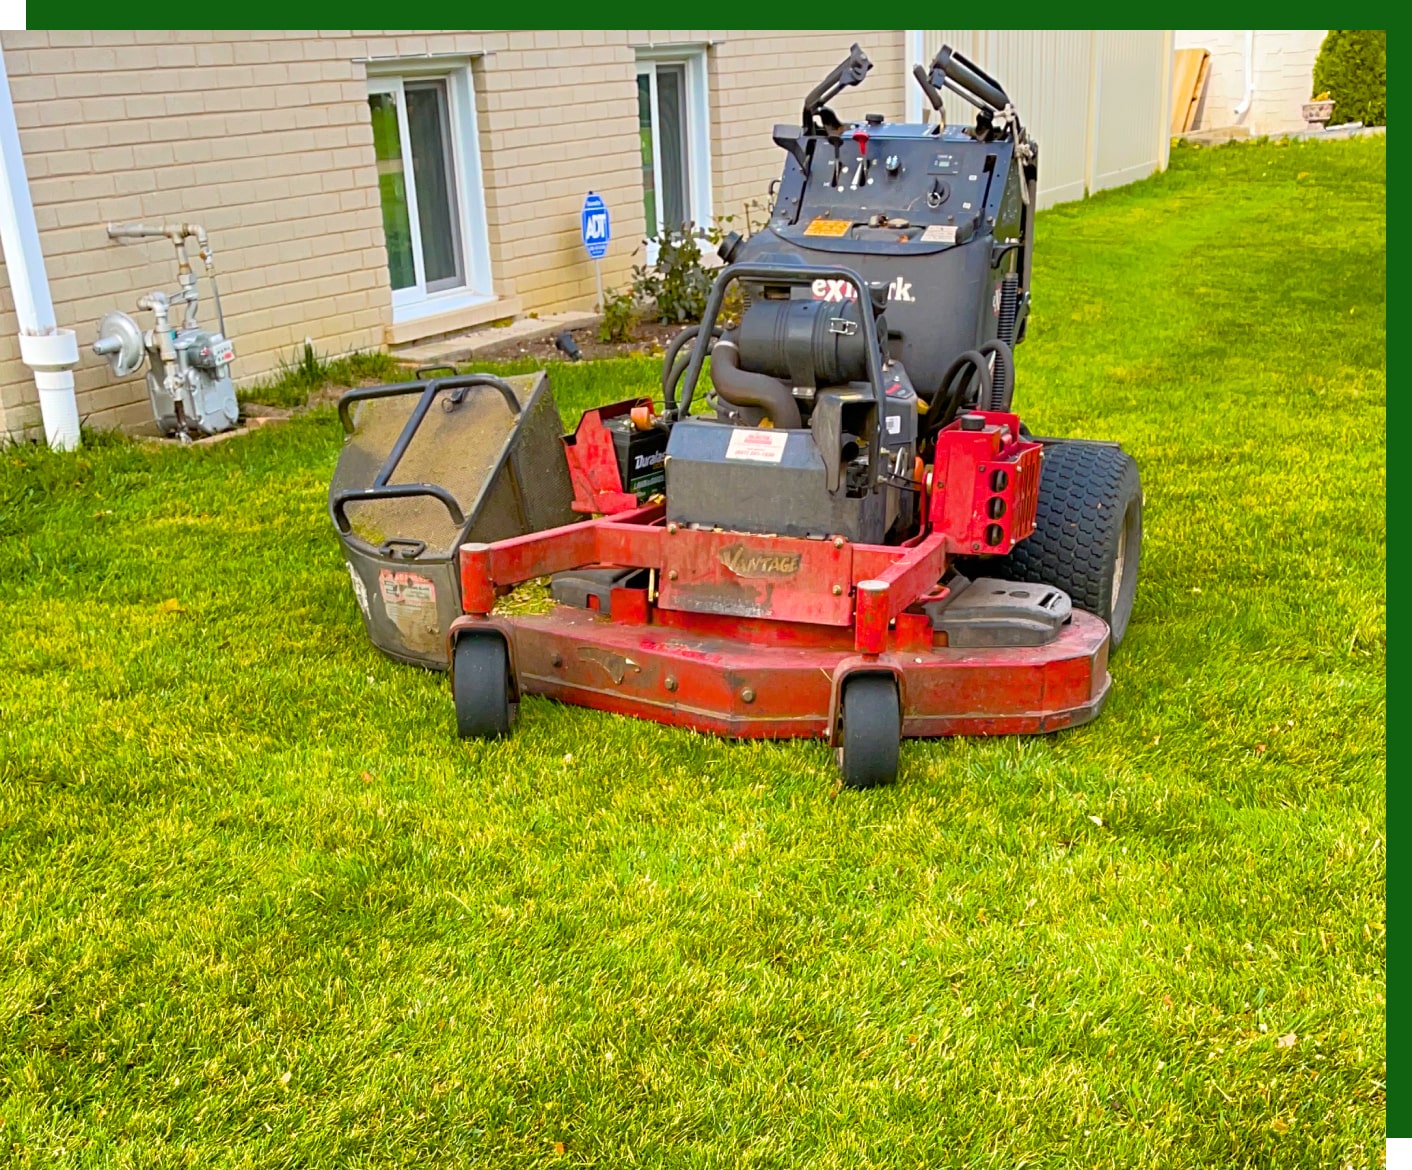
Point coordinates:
[[959, 377], [744, 388], [674, 366]]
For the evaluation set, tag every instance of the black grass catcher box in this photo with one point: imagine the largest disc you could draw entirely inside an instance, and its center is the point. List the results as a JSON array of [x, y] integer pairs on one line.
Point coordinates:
[[425, 467]]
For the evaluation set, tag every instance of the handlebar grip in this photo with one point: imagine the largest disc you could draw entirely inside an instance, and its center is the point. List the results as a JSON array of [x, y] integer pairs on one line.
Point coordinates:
[[968, 76]]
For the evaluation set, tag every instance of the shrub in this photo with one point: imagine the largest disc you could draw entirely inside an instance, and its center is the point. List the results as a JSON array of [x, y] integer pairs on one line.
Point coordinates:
[[619, 313], [1352, 67], [678, 286]]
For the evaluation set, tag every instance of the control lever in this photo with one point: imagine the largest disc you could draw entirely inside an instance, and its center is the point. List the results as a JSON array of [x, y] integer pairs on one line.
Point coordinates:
[[836, 175], [932, 93], [860, 176]]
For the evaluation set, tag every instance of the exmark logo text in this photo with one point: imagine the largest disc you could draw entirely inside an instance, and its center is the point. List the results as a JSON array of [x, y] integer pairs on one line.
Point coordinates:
[[842, 290]]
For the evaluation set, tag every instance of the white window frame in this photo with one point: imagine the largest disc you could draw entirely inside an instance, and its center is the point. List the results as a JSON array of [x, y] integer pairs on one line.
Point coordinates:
[[698, 131], [415, 302]]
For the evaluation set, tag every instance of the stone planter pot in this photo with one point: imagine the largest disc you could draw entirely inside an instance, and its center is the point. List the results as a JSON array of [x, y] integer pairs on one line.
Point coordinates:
[[1318, 113]]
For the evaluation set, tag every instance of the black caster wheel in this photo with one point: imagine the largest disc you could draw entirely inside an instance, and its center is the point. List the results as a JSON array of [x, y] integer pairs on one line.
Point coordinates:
[[480, 683], [871, 734]]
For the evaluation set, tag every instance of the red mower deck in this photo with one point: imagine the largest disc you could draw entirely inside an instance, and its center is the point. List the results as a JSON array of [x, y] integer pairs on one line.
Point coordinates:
[[722, 684], [753, 636]]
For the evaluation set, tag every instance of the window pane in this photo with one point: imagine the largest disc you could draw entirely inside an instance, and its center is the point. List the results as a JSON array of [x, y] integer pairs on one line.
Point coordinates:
[[428, 125], [392, 186], [644, 127], [671, 135]]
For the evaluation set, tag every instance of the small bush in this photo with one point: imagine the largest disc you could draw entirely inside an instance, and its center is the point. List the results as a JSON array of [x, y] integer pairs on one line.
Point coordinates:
[[619, 314], [1352, 68], [678, 285]]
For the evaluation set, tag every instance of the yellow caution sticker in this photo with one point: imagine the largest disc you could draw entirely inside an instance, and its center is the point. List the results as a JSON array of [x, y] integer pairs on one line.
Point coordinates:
[[828, 227]]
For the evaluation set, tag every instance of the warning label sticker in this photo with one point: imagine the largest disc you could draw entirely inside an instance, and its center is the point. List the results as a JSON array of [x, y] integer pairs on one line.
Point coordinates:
[[940, 233], [828, 227], [406, 589], [757, 445], [410, 601]]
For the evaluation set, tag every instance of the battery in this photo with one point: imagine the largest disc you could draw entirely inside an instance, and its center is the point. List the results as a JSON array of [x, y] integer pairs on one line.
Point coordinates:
[[641, 456]]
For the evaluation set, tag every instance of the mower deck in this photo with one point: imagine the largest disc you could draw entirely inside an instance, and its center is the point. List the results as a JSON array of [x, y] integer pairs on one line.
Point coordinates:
[[715, 680], [754, 636]]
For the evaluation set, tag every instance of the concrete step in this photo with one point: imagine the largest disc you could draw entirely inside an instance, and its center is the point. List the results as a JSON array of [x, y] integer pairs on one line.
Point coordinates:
[[466, 346]]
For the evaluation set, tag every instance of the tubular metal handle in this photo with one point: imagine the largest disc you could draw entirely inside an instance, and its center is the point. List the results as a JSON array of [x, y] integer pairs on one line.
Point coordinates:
[[395, 491], [431, 388]]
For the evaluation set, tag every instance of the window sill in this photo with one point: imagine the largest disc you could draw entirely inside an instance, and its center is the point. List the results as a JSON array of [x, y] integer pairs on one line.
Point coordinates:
[[453, 315]]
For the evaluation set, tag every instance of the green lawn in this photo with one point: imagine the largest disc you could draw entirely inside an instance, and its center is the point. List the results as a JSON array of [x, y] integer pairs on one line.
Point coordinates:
[[259, 907]]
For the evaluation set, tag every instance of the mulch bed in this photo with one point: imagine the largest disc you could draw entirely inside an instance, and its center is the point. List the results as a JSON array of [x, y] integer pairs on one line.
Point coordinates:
[[647, 338]]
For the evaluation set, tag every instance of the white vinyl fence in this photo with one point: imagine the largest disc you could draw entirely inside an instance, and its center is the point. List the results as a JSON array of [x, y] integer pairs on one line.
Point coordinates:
[[1096, 102]]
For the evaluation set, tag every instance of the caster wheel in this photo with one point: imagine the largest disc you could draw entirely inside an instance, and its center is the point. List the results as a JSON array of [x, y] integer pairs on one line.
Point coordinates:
[[480, 683], [871, 734]]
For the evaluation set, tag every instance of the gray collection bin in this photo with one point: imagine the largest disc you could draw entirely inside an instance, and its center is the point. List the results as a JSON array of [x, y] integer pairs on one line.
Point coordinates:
[[477, 458]]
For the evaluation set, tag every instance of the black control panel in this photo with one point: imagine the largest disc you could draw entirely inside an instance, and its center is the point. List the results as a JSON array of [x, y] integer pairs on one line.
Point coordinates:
[[898, 187]]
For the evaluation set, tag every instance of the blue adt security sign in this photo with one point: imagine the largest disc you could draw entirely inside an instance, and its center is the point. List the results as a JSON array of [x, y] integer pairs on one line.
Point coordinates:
[[596, 230]]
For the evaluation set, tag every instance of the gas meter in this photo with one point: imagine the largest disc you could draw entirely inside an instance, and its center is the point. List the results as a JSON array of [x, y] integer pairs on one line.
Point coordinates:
[[189, 376]]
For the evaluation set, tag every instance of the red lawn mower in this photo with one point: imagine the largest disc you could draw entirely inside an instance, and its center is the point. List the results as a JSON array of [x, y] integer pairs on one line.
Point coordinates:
[[860, 542]]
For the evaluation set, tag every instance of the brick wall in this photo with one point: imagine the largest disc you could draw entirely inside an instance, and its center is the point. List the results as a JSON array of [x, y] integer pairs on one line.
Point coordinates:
[[264, 138]]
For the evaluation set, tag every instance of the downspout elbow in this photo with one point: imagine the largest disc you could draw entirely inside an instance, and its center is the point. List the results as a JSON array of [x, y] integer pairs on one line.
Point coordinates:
[[1245, 102]]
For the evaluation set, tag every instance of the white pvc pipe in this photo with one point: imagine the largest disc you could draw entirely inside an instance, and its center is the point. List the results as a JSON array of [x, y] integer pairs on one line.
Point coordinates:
[[1241, 109], [916, 55], [49, 351]]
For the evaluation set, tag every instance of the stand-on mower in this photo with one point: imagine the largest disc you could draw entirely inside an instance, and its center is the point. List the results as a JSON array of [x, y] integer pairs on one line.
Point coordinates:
[[861, 542]]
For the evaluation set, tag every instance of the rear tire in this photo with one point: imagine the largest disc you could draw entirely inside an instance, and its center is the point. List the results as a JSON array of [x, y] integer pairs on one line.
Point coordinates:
[[871, 732], [1088, 532], [480, 682]]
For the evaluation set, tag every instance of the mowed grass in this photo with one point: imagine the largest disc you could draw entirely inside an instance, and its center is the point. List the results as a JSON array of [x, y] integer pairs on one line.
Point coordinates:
[[259, 907]]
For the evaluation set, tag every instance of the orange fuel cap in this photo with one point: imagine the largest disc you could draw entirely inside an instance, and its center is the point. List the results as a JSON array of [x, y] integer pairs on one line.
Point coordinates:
[[642, 417]]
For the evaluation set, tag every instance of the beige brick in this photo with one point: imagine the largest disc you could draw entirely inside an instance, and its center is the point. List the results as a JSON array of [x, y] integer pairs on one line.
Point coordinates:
[[35, 89]]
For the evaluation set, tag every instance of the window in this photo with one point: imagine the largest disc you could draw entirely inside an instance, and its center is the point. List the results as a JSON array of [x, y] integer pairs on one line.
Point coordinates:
[[672, 126], [433, 211]]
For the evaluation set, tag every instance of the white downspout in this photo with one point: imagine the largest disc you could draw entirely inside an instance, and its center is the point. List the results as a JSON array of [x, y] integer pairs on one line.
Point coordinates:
[[1240, 110], [49, 351], [915, 54]]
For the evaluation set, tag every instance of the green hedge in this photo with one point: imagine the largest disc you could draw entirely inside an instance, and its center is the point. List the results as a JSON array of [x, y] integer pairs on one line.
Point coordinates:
[[1352, 69]]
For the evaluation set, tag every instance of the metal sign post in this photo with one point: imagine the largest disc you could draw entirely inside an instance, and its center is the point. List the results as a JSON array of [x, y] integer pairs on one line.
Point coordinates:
[[597, 231]]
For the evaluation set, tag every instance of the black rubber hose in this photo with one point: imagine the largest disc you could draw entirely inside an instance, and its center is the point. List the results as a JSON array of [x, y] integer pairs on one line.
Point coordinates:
[[674, 347], [953, 386], [744, 388], [669, 386], [674, 362], [1002, 387]]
